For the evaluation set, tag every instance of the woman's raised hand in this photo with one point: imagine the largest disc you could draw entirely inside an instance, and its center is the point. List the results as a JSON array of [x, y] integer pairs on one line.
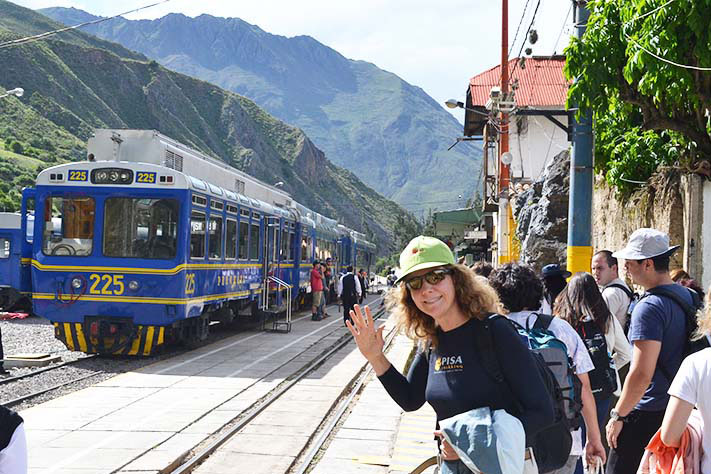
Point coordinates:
[[369, 339]]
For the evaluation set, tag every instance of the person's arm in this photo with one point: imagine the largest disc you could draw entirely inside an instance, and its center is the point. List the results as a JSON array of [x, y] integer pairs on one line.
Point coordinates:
[[644, 361], [617, 301], [340, 287], [357, 285], [408, 392], [621, 347], [593, 444], [675, 419]]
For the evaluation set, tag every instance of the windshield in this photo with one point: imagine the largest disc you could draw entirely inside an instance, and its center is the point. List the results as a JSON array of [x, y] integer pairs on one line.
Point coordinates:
[[68, 226], [140, 228]]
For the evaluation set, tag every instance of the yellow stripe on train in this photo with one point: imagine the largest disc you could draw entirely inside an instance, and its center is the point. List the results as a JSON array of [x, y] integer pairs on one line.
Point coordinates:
[[153, 335]]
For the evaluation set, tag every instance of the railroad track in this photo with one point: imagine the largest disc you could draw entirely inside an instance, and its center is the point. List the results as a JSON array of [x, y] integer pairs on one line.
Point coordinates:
[[43, 370], [190, 463]]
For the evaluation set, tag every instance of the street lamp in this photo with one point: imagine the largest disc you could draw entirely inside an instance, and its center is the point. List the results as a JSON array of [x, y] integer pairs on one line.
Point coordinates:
[[17, 91], [453, 104]]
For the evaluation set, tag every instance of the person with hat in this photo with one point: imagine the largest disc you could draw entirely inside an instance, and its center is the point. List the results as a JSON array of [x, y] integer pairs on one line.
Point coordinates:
[[444, 307], [657, 333], [554, 281]]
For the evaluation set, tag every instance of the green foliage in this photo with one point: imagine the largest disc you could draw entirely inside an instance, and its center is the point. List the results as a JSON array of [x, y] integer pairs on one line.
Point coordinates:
[[646, 111]]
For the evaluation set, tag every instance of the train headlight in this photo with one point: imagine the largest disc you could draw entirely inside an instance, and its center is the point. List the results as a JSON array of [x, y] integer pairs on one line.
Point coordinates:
[[112, 176], [133, 285], [77, 283]]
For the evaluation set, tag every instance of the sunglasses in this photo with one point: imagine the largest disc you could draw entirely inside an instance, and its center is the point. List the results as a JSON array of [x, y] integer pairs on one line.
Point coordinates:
[[433, 277]]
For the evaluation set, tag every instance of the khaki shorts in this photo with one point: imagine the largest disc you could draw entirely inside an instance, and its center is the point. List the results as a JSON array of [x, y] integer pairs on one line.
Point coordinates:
[[317, 295]]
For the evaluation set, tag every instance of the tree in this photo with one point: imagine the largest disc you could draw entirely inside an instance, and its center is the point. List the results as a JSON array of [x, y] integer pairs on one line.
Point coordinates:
[[647, 111]]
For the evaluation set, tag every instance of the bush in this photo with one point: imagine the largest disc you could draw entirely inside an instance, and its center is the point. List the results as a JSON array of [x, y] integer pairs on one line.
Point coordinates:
[[17, 147]]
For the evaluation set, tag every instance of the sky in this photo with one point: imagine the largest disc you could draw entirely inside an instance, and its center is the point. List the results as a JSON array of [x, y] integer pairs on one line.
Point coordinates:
[[437, 46]]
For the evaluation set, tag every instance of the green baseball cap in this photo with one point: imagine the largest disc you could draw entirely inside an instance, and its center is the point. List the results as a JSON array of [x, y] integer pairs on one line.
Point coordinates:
[[424, 252]]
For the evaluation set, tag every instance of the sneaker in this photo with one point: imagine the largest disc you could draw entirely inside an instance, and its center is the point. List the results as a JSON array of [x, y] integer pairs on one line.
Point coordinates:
[[316, 318], [4, 372]]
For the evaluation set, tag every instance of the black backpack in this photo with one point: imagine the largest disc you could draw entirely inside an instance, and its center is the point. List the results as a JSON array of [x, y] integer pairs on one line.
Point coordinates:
[[552, 445], [690, 310], [603, 378]]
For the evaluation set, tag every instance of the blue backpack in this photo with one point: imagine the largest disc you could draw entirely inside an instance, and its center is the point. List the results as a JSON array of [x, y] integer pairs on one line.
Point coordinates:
[[551, 445]]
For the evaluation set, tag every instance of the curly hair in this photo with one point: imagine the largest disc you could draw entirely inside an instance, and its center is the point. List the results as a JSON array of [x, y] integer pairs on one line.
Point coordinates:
[[518, 287], [475, 298], [703, 320]]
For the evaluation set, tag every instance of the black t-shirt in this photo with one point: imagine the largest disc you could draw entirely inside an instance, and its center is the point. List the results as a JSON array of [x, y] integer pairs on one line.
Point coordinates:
[[453, 379], [9, 421]]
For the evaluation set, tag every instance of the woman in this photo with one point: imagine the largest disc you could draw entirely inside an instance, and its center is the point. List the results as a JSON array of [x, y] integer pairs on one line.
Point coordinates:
[[582, 306], [684, 279], [437, 304], [691, 387]]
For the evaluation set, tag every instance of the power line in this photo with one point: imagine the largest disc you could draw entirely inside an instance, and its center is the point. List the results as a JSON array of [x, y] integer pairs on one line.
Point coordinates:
[[668, 61], [562, 28], [523, 15], [524, 41], [650, 12], [31, 39]]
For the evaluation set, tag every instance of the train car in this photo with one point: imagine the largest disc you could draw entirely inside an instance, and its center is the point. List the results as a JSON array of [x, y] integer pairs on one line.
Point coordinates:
[[148, 241], [15, 279]]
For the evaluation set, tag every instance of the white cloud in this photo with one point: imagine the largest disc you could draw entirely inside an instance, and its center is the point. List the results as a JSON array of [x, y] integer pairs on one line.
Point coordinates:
[[437, 46]]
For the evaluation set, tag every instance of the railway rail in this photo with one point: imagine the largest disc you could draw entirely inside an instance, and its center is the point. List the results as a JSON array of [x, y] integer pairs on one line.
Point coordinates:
[[322, 435]]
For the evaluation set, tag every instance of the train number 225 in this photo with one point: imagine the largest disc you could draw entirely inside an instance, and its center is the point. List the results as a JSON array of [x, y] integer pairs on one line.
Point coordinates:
[[110, 284]]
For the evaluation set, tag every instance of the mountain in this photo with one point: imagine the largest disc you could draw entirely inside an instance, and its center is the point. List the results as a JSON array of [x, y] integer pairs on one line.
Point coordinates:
[[391, 134], [75, 82]]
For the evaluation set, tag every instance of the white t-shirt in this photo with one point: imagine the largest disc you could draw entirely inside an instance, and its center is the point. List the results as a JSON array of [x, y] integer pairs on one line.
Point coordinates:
[[13, 459], [617, 300], [576, 351], [693, 385]]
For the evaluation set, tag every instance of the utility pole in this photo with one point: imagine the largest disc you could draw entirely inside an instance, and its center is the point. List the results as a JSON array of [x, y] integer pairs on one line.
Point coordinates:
[[505, 217], [579, 250]]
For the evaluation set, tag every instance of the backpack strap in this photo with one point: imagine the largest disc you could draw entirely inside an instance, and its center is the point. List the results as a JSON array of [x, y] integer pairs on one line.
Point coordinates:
[[542, 321], [485, 343], [627, 291], [689, 312]]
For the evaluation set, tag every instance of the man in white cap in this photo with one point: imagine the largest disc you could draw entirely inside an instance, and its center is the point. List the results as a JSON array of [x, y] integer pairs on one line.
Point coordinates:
[[658, 333]]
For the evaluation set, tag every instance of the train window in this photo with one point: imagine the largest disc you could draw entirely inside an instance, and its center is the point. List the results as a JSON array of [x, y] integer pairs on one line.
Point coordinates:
[[231, 239], [243, 240], [244, 213], [305, 248], [292, 246], [254, 241], [140, 228], [285, 243], [232, 209], [199, 200], [68, 226], [214, 246], [4, 248], [216, 205], [197, 235]]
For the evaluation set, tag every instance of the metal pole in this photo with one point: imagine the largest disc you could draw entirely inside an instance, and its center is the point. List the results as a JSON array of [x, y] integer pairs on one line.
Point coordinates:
[[579, 250], [505, 224]]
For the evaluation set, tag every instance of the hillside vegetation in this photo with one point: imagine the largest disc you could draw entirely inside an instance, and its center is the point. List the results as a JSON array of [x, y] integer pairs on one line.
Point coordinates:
[[74, 83], [391, 134]]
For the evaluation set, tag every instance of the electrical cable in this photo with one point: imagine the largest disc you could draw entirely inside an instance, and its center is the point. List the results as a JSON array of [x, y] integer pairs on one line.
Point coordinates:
[[562, 28], [520, 22], [524, 42], [668, 61], [31, 39]]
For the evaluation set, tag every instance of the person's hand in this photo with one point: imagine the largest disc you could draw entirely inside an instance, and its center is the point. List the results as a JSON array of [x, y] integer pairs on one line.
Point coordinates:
[[446, 450], [594, 449], [613, 430], [369, 339]]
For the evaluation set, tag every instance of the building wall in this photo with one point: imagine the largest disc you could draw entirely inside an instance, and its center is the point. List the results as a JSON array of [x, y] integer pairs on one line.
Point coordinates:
[[534, 141]]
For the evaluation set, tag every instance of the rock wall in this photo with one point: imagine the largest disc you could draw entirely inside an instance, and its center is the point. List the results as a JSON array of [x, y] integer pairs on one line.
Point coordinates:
[[541, 214], [666, 203]]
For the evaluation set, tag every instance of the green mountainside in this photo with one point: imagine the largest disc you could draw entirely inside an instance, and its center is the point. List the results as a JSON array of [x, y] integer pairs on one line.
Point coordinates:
[[74, 83], [391, 134]]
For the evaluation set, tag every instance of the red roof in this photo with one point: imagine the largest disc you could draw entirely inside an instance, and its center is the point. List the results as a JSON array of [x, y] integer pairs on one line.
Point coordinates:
[[540, 83]]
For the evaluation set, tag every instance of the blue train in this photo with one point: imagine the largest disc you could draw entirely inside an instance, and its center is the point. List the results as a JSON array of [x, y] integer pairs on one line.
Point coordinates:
[[148, 241]]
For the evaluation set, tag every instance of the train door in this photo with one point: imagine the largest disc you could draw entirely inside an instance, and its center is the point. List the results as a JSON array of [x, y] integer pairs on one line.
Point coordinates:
[[270, 249]]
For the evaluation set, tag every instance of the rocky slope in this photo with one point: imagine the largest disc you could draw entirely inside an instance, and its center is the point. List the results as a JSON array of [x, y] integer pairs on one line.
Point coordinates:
[[391, 134], [74, 83]]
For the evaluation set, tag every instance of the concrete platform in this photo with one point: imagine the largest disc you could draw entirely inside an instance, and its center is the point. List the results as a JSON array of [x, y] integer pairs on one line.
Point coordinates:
[[142, 421]]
